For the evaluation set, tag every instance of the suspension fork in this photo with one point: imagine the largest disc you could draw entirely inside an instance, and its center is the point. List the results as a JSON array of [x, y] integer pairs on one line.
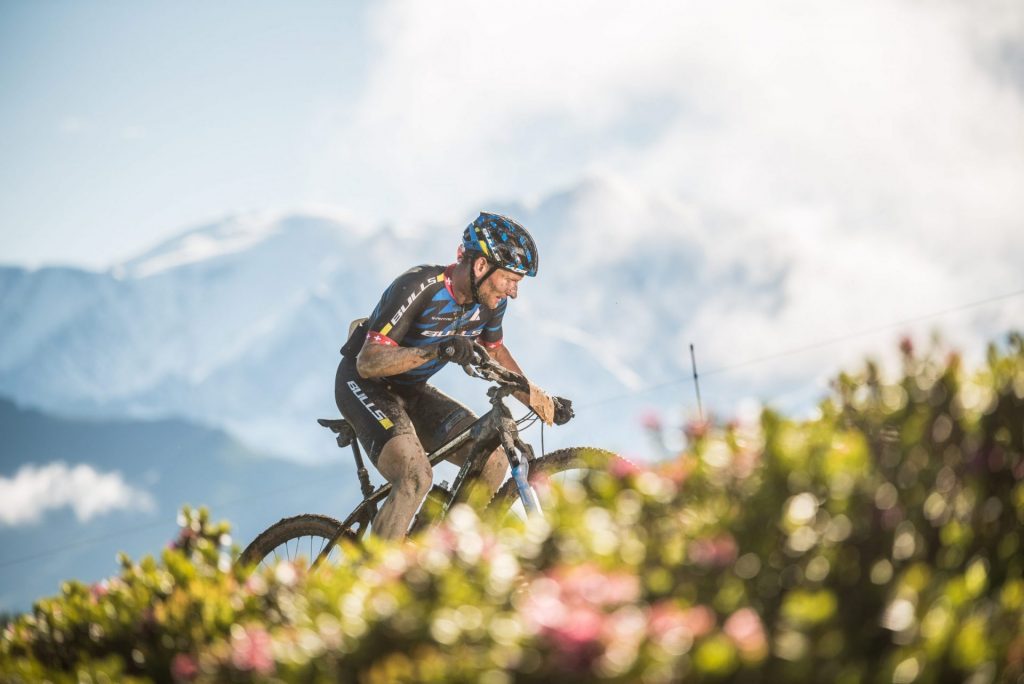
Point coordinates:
[[519, 455]]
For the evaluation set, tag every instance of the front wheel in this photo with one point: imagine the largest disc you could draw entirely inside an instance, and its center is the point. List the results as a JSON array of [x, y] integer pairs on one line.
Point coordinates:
[[562, 465], [299, 539]]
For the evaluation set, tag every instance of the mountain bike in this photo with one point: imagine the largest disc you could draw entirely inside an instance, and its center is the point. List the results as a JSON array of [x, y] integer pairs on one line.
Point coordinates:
[[314, 538]]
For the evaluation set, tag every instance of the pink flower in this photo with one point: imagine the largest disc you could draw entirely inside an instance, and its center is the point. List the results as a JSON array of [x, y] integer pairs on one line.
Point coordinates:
[[581, 625], [184, 668], [98, 590], [746, 631], [578, 638], [676, 471], [571, 626], [588, 583], [744, 462], [567, 607], [621, 468], [651, 421], [443, 537], [699, 620], [542, 613], [715, 553], [696, 429], [669, 623], [256, 585], [250, 650], [907, 346]]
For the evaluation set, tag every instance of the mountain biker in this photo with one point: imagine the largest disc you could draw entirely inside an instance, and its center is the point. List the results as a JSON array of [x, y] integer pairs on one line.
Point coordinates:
[[429, 317]]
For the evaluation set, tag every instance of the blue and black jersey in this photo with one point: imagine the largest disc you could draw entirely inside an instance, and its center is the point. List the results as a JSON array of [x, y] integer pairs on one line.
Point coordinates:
[[419, 309]]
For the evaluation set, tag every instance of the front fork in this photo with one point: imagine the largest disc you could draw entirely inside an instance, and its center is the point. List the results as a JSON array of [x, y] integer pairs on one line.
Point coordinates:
[[519, 455]]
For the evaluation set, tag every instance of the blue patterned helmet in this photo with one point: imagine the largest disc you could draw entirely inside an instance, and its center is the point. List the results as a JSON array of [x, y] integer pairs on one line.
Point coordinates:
[[503, 242]]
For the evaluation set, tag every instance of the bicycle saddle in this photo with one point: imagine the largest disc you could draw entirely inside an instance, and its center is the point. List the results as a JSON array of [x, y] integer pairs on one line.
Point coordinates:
[[340, 427]]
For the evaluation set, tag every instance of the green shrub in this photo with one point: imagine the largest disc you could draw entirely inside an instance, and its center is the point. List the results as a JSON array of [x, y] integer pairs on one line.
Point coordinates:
[[878, 542]]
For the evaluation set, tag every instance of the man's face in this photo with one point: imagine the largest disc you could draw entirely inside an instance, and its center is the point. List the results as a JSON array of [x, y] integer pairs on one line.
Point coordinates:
[[498, 286]]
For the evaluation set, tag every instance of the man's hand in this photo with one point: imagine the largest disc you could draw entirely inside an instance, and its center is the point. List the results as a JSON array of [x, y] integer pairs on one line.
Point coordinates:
[[456, 349], [563, 410]]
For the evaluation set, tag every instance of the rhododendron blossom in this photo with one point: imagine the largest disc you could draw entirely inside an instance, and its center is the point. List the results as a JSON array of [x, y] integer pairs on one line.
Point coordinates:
[[745, 630], [251, 650]]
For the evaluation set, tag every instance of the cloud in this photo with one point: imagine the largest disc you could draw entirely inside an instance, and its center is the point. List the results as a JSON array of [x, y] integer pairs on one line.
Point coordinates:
[[895, 114], [822, 167], [34, 490]]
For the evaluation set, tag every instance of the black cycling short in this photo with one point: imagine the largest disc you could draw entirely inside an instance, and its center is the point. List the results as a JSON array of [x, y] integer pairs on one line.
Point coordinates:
[[379, 410]]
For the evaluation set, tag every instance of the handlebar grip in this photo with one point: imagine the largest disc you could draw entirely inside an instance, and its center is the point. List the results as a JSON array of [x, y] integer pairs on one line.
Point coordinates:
[[480, 354]]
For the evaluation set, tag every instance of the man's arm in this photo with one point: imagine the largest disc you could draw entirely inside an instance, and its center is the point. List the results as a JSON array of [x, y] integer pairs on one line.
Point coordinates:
[[378, 360], [504, 357]]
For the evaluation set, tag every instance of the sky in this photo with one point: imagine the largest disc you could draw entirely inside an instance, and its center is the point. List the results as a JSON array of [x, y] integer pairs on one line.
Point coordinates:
[[122, 124]]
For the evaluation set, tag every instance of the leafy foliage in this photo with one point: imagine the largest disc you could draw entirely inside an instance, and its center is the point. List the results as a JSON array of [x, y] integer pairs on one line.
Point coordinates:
[[880, 541]]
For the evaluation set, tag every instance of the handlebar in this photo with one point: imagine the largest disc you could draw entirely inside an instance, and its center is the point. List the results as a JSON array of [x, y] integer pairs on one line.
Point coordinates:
[[486, 368]]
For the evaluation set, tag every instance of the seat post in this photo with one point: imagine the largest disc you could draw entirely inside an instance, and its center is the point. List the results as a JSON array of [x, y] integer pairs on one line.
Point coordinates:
[[364, 475]]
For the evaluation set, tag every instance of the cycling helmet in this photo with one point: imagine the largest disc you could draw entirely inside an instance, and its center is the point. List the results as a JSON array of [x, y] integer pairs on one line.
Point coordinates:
[[503, 242]]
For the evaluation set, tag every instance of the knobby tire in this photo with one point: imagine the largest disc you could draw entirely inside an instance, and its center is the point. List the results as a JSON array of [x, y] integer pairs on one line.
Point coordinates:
[[288, 529]]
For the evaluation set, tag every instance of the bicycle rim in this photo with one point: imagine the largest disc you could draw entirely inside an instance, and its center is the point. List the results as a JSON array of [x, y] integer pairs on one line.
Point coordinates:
[[301, 540]]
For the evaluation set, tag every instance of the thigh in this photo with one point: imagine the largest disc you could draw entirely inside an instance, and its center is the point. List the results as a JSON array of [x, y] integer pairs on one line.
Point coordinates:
[[437, 418], [402, 460], [376, 414]]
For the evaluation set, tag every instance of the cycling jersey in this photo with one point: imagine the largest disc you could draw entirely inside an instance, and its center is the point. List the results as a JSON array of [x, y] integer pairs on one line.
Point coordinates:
[[419, 309]]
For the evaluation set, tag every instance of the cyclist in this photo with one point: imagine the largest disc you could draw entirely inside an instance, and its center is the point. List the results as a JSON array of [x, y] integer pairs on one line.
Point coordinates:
[[429, 317]]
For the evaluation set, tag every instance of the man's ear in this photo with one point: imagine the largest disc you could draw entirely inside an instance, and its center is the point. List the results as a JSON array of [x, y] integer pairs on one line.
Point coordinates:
[[479, 266]]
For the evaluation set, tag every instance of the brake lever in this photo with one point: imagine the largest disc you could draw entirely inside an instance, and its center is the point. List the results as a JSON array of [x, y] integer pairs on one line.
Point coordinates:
[[489, 369]]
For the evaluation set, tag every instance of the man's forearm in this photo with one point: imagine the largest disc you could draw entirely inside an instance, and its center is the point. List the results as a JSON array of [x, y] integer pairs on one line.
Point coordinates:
[[378, 360], [504, 357]]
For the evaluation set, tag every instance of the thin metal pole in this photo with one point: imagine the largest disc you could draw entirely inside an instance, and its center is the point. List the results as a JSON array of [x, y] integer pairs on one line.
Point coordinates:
[[696, 382]]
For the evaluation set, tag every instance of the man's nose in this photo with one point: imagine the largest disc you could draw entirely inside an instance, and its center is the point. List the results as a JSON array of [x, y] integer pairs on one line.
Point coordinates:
[[513, 291]]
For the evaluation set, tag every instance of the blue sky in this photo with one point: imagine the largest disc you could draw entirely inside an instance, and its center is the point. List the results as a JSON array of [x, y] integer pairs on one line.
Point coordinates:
[[125, 121]]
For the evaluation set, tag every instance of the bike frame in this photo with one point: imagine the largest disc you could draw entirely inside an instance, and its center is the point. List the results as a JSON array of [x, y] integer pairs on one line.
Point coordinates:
[[491, 430]]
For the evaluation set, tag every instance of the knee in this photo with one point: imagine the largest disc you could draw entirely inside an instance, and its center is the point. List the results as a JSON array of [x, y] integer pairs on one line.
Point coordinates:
[[419, 477], [416, 477], [405, 465]]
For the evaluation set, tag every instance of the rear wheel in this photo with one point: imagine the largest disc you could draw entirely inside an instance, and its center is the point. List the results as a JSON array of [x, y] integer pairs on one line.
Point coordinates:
[[562, 466], [299, 539]]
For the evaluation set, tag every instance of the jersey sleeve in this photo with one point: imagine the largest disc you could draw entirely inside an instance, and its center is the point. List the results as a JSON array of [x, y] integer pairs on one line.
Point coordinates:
[[492, 335], [404, 299]]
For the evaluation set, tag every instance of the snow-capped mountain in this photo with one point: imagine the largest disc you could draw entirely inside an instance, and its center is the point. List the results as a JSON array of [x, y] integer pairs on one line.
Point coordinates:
[[237, 324], [222, 324]]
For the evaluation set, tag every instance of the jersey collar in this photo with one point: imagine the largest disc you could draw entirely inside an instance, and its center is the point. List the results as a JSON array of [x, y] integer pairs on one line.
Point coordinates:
[[448, 282]]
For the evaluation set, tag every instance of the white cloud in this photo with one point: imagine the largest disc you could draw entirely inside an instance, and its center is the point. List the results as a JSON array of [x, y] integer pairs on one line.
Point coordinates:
[[34, 490], [869, 155], [889, 111]]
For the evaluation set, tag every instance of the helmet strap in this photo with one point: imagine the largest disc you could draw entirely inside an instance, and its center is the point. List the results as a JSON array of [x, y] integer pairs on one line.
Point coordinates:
[[474, 284]]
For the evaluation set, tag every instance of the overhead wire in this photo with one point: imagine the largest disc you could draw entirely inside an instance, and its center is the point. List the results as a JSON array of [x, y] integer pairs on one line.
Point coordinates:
[[805, 348]]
